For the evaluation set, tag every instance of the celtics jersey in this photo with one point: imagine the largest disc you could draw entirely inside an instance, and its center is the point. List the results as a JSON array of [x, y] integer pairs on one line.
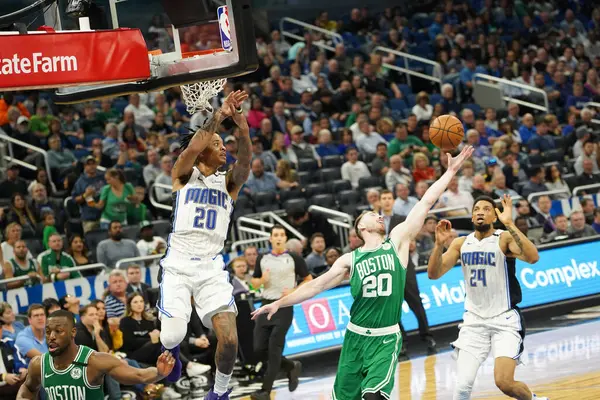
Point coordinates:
[[72, 382], [19, 271], [377, 285]]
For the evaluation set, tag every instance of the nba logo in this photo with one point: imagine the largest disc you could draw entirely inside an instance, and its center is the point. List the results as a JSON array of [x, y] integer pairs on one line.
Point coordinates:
[[223, 16]]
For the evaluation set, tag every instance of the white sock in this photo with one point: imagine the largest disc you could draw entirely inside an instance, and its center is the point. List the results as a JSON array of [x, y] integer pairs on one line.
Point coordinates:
[[221, 382]]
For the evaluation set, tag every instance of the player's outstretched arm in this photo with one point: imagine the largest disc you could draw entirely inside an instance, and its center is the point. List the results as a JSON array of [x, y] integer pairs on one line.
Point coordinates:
[[127, 375], [411, 227], [328, 280], [440, 262], [238, 175], [29, 389], [515, 243]]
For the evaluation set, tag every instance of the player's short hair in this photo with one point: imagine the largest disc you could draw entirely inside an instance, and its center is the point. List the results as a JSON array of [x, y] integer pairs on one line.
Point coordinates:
[[276, 226], [356, 222], [484, 198], [34, 307], [68, 315]]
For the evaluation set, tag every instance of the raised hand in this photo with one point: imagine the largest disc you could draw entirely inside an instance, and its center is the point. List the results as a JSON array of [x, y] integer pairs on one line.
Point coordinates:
[[443, 231], [269, 309], [233, 102], [165, 363], [454, 163], [506, 215]]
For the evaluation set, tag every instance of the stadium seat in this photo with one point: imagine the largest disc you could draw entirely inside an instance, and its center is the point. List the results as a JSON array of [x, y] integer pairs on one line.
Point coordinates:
[[476, 108], [435, 98], [304, 177], [34, 245], [557, 155], [332, 161], [293, 193], [162, 227], [348, 200], [132, 176], [340, 185], [314, 189], [131, 232], [295, 204], [369, 182], [518, 186], [571, 181], [329, 174], [536, 159], [265, 201], [411, 100], [323, 200], [560, 142], [307, 164], [243, 206], [92, 238], [397, 104], [405, 89]]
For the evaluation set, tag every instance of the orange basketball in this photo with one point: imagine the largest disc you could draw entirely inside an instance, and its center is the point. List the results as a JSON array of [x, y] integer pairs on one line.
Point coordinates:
[[446, 132]]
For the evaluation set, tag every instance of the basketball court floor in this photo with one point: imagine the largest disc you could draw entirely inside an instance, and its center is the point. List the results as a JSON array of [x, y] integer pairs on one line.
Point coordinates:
[[561, 362]]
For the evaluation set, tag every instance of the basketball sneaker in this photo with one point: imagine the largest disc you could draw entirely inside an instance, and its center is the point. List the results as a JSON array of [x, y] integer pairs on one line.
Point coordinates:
[[213, 396], [176, 372], [539, 398], [294, 376]]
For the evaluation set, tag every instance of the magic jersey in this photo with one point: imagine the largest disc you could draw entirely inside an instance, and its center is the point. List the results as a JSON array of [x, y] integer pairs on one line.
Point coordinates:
[[377, 281], [200, 220], [491, 283]]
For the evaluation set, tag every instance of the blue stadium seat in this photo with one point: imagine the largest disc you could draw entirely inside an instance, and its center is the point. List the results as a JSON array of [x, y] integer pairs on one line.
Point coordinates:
[[476, 108], [397, 104], [90, 136], [80, 153], [411, 100], [405, 89], [435, 98]]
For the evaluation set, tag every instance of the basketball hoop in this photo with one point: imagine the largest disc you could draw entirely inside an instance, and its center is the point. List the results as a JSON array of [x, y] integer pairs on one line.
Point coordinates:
[[197, 96]]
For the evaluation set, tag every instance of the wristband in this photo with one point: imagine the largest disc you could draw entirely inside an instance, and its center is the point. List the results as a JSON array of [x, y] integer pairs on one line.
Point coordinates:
[[239, 110], [3, 377]]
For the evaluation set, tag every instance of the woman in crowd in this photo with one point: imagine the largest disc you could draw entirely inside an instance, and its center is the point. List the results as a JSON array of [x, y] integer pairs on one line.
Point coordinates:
[[114, 198], [279, 148], [465, 181], [21, 213], [422, 109], [41, 176], [554, 181], [80, 253], [12, 234], [10, 326], [99, 304], [285, 172], [141, 338], [132, 141], [421, 169], [256, 113]]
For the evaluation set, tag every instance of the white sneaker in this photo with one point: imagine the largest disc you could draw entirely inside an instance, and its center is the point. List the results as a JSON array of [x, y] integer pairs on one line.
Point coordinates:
[[170, 393], [195, 369], [539, 398]]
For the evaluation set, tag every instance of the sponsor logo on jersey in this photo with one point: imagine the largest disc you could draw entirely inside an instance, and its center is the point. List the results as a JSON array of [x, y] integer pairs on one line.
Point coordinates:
[[223, 15], [386, 246], [76, 373]]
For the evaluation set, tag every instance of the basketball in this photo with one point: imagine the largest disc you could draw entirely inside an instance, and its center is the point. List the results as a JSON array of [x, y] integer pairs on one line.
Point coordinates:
[[446, 132]]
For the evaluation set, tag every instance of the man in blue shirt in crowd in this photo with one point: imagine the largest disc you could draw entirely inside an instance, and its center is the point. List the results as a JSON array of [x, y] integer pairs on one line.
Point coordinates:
[[86, 191], [261, 181], [540, 142], [31, 341]]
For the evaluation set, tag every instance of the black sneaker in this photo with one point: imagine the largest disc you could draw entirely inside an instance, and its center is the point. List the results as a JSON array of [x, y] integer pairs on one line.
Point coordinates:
[[294, 376], [260, 395], [431, 344]]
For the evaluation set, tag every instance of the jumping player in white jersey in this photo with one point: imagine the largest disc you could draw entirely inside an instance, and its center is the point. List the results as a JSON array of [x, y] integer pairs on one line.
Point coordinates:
[[192, 266], [492, 320]]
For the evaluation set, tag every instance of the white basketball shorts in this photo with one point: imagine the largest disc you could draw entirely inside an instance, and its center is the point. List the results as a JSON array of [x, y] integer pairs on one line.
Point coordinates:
[[206, 281], [502, 335]]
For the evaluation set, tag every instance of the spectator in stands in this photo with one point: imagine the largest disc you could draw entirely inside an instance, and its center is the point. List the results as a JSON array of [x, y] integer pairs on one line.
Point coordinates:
[[71, 304], [78, 250], [524, 210], [19, 265], [164, 195], [116, 298], [261, 181], [8, 321], [500, 188], [141, 338], [239, 277], [587, 153], [405, 144], [12, 234], [135, 284], [31, 341], [110, 143], [403, 203], [13, 183], [466, 77], [397, 173], [301, 83], [86, 193], [587, 177], [59, 158], [354, 169], [587, 206], [326, 147], [14, 370], [541, 142], [554, 181], [579, 228], [527, 128], [543, 217], [115, 248], [479, 188], [316, 258], [40, 203], [368, 141], [21, 213], [420, 189], [277, 272], [149, 244], [422, 109], [422, 171], [448, 102], [50, 305], [455, 198], [577, 100], [535, 182], [295, 246], [152, 169], [465, 181], [561, 232], [596, 223], [269, 160], [474, 139], [40, 122], [308, 224], [386, 201], [140, 112], [354, 242], [250, 255], [53, 260], [114, 198]]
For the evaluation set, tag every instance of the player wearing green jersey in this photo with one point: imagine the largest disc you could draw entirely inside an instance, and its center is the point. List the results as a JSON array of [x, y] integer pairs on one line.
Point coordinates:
[[71, 372], [377, 273]]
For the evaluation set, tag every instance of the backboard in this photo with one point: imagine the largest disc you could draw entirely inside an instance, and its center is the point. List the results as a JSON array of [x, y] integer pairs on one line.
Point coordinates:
[[188, 41]]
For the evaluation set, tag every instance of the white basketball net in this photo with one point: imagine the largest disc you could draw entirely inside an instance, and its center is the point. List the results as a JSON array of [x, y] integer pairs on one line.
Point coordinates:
[[197, 96]]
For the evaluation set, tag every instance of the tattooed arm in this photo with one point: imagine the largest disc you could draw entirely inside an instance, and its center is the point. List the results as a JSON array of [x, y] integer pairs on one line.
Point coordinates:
[[240, 171], [513, 242]]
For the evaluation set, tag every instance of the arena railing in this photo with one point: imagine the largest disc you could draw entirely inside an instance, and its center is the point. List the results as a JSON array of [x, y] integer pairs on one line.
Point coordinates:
[[264, 220], [73, 269], [154, 201], [10, 141], [133, 260], [535, 195], [585, 187], [406, 70], [334, 36], [503, 81], [342, 223]]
